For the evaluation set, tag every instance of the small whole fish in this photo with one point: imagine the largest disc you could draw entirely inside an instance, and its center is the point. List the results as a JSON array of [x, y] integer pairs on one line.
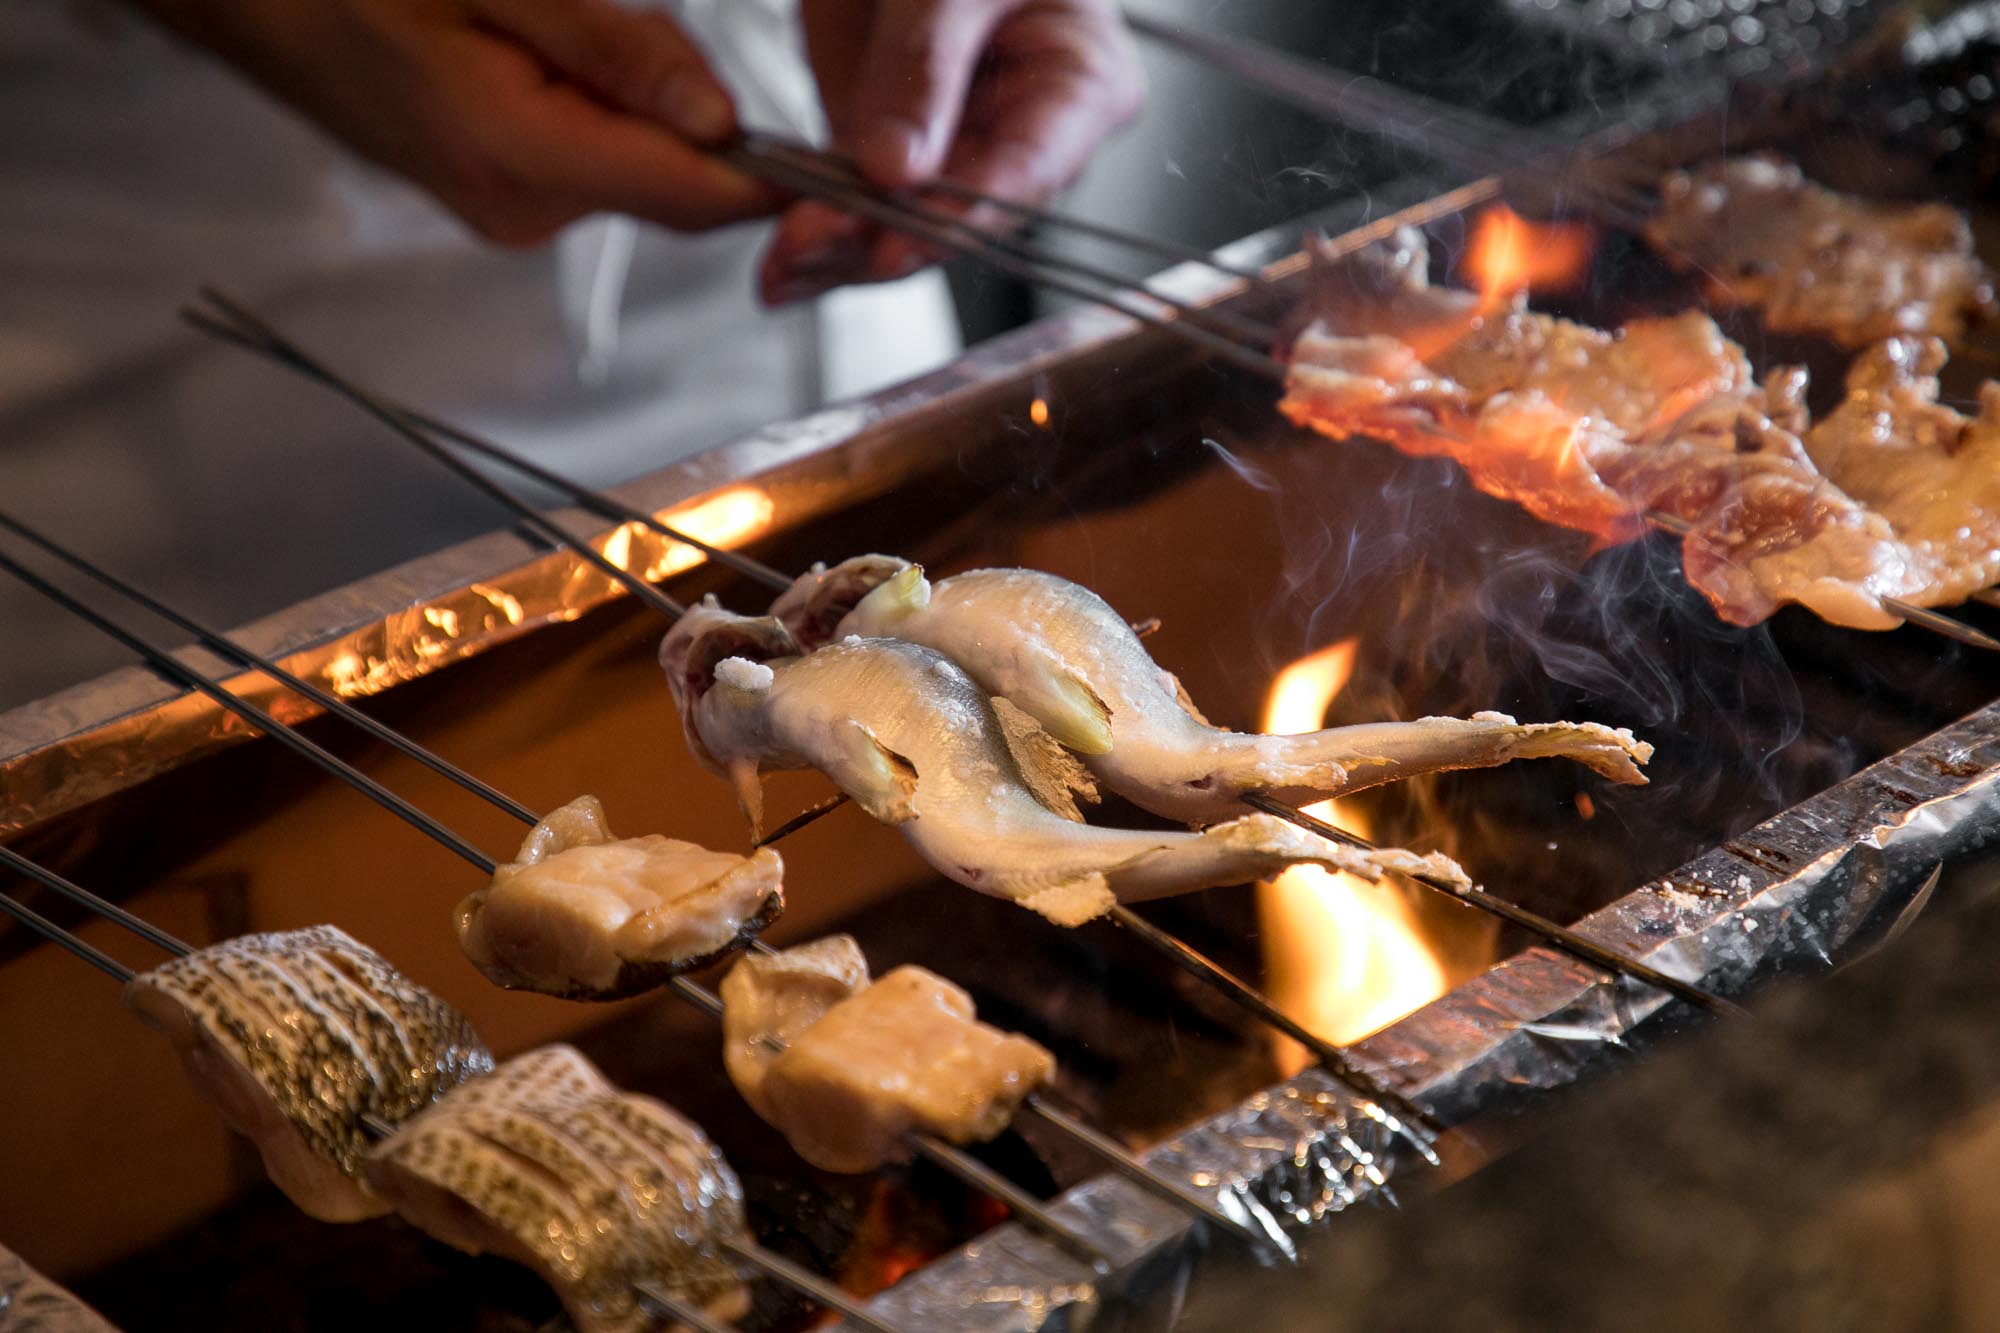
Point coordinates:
[[546, 1163], [298, 1038], [1058, 652], [584, 915], [975, 784]]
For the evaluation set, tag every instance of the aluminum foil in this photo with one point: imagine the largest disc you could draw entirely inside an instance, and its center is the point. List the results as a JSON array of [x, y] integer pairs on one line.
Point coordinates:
[[1804, 891]]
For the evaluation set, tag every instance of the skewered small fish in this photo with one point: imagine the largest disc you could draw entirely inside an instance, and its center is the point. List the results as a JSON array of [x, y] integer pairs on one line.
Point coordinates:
[[297, 1038], [584, 915], [1058, 652], [546, 1163], [978, 788], [1817, 261], [865, 1064]]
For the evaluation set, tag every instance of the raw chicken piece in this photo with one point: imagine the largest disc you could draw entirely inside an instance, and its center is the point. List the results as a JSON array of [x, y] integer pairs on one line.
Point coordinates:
[[768, 999], [1058, 652], [1592, 430], [546, 1163], [865, 1065], [296, 1038], [976, 786], [1761, 234], [583, 915]]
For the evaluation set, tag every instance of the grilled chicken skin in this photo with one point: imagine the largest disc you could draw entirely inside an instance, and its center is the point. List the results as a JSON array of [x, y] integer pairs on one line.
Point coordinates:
[[1057, 651], [584, 915], [975, 785], [298, 1039]]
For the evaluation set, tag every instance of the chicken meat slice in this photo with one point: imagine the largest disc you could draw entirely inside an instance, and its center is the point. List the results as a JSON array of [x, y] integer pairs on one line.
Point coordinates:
[[864, 1064], [584, 915], [595, 1189], [1058, 652], [974, 784], [768, 999], [1817, 261], [300, 1039], [1597, 430]]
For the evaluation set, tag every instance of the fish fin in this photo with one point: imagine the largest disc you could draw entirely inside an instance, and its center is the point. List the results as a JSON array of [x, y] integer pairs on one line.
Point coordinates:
[[902, 594], [1073, 901], [884, 782], [749, 784], [1181, 697], [1055, 776], [1078, 718]]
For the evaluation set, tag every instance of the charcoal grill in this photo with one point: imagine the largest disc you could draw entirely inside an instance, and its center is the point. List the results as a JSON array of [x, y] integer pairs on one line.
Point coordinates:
[[1809, 778]]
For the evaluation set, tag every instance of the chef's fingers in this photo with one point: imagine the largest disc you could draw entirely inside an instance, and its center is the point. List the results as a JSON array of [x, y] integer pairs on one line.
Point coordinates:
[[640, 60], [905, 105], [548, 153], [815, 247]]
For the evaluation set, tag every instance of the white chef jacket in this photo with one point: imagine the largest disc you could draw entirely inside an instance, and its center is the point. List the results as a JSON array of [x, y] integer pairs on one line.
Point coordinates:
[[133, 168]]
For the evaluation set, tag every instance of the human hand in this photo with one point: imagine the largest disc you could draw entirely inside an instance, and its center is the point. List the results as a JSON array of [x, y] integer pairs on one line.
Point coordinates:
[[1008, 97], [520, 116]]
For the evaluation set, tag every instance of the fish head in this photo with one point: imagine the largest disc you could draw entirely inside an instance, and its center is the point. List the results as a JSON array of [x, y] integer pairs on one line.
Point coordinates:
[[813, 607], [702, 640]]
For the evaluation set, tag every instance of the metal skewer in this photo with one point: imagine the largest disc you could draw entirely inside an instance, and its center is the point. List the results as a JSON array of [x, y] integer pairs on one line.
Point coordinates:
[[180, 674], [540, 524], [951, 1158], [775, 1266], [64, 939], [1560, 937], [1921, 616], [1120, 1159], [229, 648], [1089, 1138], [1406, 1118], [673, 1307]]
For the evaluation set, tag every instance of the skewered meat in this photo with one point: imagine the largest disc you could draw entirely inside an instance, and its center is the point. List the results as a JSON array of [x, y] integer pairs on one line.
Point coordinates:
[[296, 1038], [583, 915], [1059, 652], [1818, 261], [595, 1189], [865, 1064], [977, 787], [1592, 430], [768, 999]]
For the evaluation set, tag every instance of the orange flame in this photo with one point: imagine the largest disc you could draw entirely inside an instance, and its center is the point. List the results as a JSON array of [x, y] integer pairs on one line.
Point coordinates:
[[1343, 956], [1509, 254], [1038, 412]]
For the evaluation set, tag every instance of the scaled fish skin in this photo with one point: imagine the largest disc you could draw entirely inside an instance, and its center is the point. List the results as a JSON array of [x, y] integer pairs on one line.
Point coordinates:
[[295, 1037], [1059, 652], [545, 1162], [581, 914], [975, 785]]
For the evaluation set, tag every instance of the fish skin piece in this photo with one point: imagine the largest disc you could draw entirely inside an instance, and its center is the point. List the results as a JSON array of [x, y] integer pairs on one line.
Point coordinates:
[[584, 915], [295, 1037], [959, 795], [1059, 652], [548, 1164]]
